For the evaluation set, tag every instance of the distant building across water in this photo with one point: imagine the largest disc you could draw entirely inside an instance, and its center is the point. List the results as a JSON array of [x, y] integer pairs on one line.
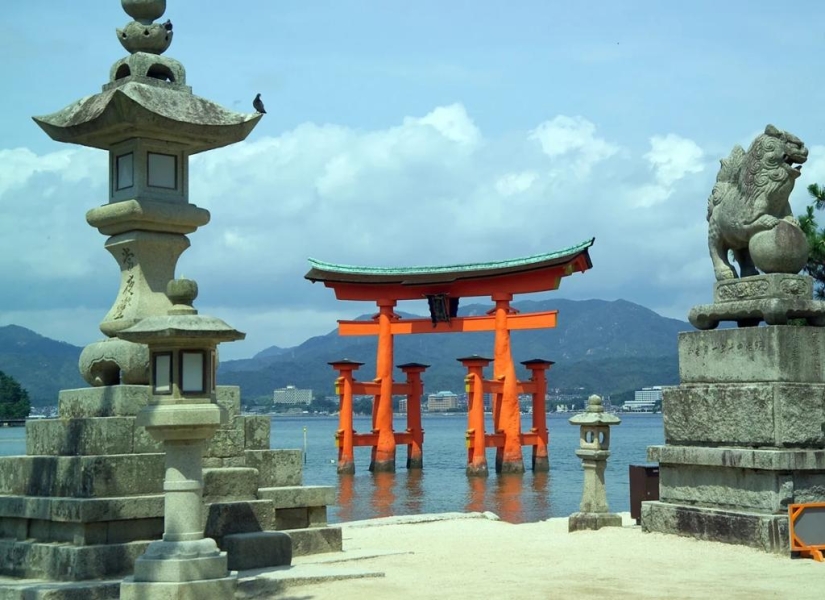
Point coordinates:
[[647, 399], [442, 401], [292, 396]]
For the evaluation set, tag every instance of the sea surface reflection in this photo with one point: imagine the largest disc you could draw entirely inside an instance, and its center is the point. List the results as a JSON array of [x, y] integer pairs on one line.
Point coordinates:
[[442, 485]]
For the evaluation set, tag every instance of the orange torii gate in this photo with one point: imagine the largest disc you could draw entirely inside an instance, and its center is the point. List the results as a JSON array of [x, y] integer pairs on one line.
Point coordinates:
[[442, 287]]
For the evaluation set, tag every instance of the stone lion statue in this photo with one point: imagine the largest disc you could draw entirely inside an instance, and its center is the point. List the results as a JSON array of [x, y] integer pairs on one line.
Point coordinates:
[[750, 197]]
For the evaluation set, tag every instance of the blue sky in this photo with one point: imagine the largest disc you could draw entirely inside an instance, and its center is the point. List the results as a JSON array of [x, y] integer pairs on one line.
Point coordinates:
[[409, 133]]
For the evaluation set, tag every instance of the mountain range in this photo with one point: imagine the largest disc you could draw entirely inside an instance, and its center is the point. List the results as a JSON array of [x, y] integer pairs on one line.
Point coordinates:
[[598, 346]]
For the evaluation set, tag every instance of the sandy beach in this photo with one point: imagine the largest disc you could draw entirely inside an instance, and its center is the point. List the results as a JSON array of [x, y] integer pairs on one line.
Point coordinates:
[[475, 556]]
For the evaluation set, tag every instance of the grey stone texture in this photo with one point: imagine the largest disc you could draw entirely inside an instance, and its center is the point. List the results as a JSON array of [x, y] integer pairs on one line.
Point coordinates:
[[258, 550], [774, 298], [766, 532], [744, 435], [88, 499], [749, 212], [753, 354]]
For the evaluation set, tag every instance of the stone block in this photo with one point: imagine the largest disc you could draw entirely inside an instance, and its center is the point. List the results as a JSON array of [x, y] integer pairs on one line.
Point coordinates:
[[187, 590], [758, 414], [315, 540], [230, 484], [727, 488], [143, 442], [82, 510], [82, 590], [225, 518], [66, 562], [257, 550], [257, 431], [181, 568], [82, 476], [104, 401], [291, 518], [753, 354], [765, 532], [316, 516], [798, 460], [582, 521], [276, 467], [82, 436], [228, 398], [225, 443], [297, 496]]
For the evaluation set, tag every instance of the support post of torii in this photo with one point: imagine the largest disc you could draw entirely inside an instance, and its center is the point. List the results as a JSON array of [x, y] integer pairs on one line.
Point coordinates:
[[344, 435], [474, 386], [538, 377], [383, 453], [415, 449]]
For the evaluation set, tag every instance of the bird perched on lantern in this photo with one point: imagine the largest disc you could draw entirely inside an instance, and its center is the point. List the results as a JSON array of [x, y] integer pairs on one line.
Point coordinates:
[[258, 104]]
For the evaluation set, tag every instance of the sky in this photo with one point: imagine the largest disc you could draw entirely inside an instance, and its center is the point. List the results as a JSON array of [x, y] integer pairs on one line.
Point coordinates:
[[401, 134]]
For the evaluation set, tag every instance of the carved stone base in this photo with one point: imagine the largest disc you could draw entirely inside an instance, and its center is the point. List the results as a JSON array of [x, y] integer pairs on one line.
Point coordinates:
[[774, 298]]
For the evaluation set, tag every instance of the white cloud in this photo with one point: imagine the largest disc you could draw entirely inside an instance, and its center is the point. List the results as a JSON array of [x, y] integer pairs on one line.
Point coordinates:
[[573, 136], [430, 190], [671, 158], [515, 183]]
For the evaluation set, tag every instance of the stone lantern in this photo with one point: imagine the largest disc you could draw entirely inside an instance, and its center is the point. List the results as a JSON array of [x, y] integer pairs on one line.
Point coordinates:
[[150, 123], [183, 415], [594, 441]]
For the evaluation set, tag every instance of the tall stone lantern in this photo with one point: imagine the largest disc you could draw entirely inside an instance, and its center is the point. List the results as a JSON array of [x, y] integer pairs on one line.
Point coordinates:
[[150, 123], [183, 415], [594, 442]]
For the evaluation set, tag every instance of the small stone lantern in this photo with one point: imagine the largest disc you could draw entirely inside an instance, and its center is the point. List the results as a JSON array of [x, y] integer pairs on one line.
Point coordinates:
[[183, 415], [594, 442]]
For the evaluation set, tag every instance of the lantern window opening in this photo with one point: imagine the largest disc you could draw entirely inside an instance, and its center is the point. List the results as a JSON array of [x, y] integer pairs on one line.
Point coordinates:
[[124, 171], [123, 70], [192, 371], [162, 373], [162, 170], [161, 72]]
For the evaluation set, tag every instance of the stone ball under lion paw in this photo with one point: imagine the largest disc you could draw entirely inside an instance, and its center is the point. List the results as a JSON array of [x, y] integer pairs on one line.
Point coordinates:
[[781, 249]]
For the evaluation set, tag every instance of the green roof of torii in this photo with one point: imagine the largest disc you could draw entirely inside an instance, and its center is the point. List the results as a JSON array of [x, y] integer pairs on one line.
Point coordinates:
[[324, 271]]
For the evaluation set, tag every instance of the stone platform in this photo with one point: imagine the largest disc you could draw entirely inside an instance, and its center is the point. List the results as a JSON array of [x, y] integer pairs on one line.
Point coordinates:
[[744, 435], [88, 497], [774, 298]]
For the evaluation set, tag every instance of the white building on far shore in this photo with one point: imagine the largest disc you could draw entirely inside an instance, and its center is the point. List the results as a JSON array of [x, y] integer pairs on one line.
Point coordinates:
[[292, 396], [644, 400]]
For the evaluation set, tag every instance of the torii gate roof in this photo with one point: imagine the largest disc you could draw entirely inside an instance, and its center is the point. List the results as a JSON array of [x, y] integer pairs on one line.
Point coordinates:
[[537, 273]]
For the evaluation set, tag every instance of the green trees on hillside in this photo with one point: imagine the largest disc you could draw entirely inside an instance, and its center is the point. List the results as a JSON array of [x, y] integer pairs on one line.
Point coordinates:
[[14, 400], [816, 240]]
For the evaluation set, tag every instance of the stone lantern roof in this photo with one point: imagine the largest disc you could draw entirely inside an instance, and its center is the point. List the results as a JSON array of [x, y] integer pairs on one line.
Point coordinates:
[[147, 96], [594, 414], [182, 323]]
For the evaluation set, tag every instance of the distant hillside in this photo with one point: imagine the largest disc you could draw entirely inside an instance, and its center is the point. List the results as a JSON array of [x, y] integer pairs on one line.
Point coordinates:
[[608, 347], [41, 365], [611, 347]]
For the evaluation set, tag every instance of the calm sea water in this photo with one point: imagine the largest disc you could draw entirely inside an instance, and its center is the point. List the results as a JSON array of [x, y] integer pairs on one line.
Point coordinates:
[[442, 485]]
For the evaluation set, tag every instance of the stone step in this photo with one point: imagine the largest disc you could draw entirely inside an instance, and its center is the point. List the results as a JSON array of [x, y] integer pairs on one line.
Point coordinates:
[[315, 540], [230, 484], [295, 496], [67, 562], [226, 518], [276, 467], [41, 589], [82, 476]]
